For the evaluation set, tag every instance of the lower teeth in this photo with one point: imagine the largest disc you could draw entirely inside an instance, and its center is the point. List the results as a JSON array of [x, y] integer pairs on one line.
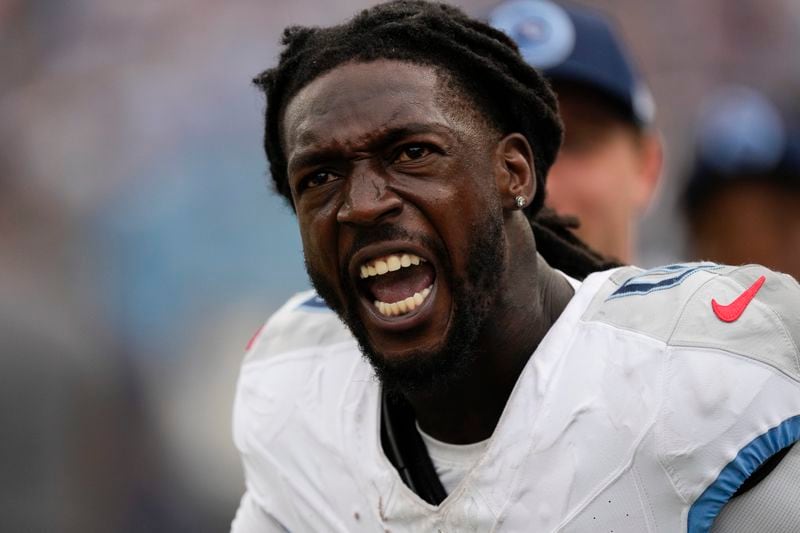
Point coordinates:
[[403, 306]]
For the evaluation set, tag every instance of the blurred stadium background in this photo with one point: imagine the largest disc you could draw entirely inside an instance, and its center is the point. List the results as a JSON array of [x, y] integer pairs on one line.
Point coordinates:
[[140, 245]]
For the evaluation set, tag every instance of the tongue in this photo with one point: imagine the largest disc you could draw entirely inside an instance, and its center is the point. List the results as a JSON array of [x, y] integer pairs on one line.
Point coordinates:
[[400, 284]]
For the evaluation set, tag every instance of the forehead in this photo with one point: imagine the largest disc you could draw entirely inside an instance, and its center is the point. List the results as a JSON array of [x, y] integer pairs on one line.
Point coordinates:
[[589, 109], [358, 100]]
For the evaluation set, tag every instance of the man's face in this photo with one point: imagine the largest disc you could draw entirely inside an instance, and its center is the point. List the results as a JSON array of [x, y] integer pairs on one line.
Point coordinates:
[[602, 174], [399, 213]]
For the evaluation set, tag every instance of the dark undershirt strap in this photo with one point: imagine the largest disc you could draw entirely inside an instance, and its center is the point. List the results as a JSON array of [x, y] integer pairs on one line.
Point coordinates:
[[405, 449]]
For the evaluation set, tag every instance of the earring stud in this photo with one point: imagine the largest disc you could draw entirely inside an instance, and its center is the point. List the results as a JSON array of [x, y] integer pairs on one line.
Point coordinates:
[[520, 201]]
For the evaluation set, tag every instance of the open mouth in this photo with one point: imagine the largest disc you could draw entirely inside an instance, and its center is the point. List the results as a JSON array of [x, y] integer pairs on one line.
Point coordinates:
[[397, 284]]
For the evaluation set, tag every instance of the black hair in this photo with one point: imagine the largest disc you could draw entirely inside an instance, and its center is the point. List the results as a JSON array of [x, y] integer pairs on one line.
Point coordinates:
[[483, 61]]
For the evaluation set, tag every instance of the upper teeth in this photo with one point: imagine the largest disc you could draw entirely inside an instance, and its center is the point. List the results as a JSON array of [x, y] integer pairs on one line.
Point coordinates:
[[389, 263]]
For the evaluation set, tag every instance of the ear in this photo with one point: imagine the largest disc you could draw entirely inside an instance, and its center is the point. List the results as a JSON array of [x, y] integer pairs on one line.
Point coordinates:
[[651, 164], [515, 172]]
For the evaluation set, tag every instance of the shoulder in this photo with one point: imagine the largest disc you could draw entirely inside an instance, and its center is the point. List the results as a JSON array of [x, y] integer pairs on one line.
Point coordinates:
[[303, 321], [747, 310], [725, 376], [301, 356], [300, 383]]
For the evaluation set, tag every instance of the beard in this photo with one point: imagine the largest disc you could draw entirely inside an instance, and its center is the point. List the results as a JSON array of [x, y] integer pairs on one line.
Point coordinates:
[[473, 297]]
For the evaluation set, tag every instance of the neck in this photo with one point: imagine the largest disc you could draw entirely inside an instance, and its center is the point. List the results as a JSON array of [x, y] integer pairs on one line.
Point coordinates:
[[468, 411]]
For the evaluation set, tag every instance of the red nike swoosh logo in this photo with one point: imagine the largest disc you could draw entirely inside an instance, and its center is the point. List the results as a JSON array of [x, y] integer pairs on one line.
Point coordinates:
[[732, 311]]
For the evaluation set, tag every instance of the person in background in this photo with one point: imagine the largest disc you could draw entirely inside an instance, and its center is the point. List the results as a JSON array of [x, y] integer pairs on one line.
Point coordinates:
[[608, 168], [742, 196]]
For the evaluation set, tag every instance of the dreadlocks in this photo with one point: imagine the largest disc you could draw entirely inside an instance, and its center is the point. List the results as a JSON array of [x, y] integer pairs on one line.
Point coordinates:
[[483, 62]]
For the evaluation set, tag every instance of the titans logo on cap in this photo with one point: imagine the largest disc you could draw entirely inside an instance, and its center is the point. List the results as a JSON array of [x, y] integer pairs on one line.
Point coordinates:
[[542, 30]]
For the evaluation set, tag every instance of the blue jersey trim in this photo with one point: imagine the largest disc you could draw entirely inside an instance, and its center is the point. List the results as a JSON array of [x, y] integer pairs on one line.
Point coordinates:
[[676, 274], [315, 303], [706, 508]]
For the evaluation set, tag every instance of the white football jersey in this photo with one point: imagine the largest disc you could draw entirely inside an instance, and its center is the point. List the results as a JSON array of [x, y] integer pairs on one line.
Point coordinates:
[[643, 409]]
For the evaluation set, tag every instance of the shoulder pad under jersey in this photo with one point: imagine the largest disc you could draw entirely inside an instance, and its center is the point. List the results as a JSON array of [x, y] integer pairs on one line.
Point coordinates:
[[708, 305], [302, 322]]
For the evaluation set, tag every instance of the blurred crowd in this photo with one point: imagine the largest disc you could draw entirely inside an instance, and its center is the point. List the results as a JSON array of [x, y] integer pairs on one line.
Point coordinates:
[[140, 245]]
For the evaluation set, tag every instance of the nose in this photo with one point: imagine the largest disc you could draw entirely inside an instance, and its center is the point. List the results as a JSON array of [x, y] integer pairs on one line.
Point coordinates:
[[368, 198]]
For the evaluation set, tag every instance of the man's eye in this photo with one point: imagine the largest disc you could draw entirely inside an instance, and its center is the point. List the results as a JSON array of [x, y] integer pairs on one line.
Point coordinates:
[[318, 178], [412, 152]]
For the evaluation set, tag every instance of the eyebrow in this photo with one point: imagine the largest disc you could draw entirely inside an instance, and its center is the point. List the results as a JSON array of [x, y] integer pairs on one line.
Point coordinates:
[[388, 137]]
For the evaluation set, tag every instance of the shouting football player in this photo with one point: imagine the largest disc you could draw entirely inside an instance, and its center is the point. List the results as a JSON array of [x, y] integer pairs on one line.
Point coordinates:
[[457, 368]]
